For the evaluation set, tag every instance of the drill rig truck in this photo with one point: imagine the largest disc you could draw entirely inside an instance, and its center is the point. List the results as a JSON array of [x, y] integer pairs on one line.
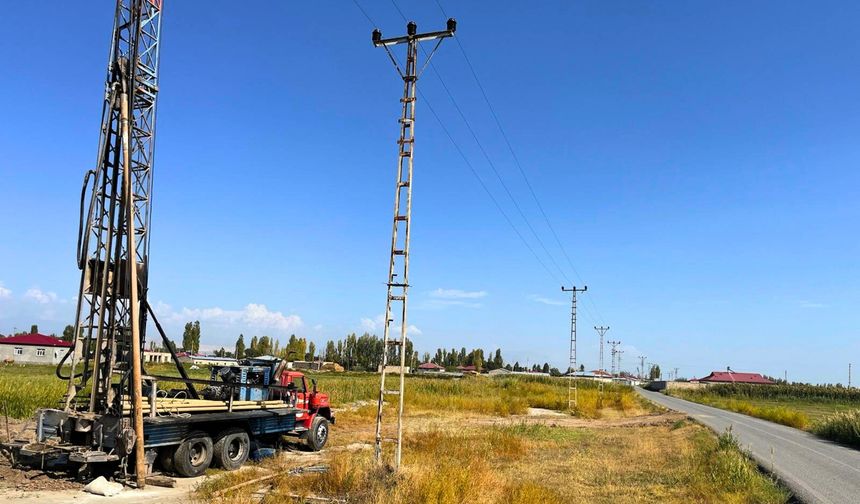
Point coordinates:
[[114, 415]]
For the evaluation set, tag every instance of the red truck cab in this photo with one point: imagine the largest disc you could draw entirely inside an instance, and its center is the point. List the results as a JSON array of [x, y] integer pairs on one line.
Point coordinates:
[[317, 412]]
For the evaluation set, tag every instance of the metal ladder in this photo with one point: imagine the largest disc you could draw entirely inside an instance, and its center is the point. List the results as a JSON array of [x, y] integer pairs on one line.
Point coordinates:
[[399, 260]]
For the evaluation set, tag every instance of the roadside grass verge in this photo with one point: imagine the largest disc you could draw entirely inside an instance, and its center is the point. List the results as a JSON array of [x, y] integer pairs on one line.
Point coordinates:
[[530, 464], [778, 414], [843, 427]]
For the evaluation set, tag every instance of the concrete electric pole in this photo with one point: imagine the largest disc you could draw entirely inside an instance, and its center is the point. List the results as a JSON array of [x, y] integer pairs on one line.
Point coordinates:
[[398, 262]]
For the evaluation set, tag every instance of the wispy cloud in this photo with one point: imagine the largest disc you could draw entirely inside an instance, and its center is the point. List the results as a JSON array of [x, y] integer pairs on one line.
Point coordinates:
[[457, 294], [443, 298], [547, 301], [4, 292], [811, 304]]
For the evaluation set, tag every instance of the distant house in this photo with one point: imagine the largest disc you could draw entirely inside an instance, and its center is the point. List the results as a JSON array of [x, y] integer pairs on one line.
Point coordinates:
[[592, 375], [467, 369], [734, 377], [205, 360], [150, 357], [430, 367], [33, 349]]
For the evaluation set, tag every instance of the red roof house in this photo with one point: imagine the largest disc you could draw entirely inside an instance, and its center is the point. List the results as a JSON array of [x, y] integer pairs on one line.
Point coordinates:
[[35, 340], [735, 377], [430, 366]]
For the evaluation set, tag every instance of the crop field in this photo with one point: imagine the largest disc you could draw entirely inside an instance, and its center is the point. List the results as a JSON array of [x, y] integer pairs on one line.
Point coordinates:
[[828, 411], [25, 388]]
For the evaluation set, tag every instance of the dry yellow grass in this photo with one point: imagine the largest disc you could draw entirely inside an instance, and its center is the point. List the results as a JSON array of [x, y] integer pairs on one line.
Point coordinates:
[[462, 461]]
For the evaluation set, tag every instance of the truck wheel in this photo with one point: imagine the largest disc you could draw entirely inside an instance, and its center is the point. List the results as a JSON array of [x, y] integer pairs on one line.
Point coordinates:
[[317, 436], [232, 448], [194, 455]]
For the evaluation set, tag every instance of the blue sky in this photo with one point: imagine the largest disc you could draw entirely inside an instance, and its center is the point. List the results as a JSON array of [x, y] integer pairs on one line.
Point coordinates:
[[698, 161]]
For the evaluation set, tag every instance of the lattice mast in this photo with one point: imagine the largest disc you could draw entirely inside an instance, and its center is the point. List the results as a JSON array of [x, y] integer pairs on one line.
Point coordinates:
[[572, 392], [113, 241], [398, 265], [615, 354], [601, 330]]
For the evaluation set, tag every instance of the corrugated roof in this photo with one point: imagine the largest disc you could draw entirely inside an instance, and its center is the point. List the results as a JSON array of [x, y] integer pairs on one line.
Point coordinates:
[[35, 340], [430, 365], [734, 377]]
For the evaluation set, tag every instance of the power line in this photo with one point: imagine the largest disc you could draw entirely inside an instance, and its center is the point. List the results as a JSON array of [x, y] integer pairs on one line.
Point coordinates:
[[516, 159], [366, 15], [493, 168], [489, 160], [484, 185]]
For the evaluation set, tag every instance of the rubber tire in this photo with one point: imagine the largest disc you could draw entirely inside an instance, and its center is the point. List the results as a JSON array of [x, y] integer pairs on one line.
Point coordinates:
[[165, 458], [317, 436], [221, 454], [182, 459]]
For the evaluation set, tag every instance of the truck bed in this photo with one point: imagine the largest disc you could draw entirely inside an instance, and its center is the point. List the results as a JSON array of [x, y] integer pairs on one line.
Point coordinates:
[[166, 406]]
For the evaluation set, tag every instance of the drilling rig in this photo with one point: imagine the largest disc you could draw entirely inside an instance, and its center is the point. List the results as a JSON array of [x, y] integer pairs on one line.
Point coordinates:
[[113, 412]]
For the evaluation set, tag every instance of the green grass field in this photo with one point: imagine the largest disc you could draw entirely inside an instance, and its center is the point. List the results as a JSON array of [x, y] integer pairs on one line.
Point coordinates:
[[25, 388]]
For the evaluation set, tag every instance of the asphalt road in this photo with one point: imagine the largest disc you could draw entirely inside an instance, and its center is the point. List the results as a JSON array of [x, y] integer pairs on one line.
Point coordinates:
[[815, 470]]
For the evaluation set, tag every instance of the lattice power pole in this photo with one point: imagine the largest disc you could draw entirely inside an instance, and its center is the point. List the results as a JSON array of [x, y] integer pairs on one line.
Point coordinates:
[[614, 352], [642, 365], [601, 330], [571, 382], [398, 264]]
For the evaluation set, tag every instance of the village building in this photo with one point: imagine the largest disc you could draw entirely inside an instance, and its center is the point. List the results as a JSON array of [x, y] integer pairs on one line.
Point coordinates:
[[430, 367], [33, 349], [734, 377]]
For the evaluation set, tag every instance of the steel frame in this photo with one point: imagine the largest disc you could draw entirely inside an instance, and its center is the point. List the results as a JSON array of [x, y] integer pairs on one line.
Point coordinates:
[[103, 325]]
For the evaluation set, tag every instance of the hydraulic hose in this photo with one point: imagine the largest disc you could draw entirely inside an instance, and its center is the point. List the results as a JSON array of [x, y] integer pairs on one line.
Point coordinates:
[[83, 242]]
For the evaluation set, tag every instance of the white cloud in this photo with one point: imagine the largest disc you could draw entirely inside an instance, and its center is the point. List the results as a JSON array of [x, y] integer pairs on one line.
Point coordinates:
[[252, 317], [4, 292], [372, 324], [376, 324], [39, 296], [457, 294], [547, 301]]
